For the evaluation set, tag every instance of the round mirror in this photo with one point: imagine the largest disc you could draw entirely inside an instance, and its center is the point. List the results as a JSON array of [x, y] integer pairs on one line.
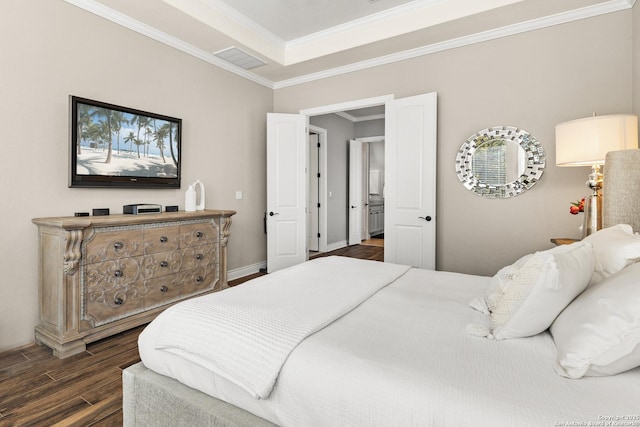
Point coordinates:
[[500, 162]]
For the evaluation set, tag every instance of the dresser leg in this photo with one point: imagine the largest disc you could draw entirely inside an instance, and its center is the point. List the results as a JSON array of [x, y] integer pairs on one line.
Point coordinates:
[[60, 350]]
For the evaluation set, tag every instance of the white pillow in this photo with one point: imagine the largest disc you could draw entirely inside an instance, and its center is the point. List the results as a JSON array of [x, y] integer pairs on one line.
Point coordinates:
[[614, 248], [599, 333], [501, 280], [525, 298]]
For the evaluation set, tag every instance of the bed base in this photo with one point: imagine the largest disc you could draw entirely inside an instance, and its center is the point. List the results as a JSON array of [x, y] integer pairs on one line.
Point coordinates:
[[151, 399]]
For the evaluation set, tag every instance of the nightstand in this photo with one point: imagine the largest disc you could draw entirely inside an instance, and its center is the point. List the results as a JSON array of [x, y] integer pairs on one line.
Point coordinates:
[[563, 241]]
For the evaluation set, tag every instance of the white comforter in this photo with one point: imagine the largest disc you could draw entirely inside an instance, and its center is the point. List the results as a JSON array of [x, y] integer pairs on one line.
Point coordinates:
[[403, 358], [245, 334]]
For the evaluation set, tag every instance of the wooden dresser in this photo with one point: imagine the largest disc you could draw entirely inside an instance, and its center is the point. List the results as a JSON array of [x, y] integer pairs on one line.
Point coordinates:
[[100, 275]]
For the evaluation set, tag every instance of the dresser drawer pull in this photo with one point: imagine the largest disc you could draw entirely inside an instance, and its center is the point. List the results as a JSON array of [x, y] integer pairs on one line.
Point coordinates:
[[199, 256], [199, 279], [164, 289], [199, 234], [118, 301], [164, 264], [118, 273], [118, 245], [164, 239]]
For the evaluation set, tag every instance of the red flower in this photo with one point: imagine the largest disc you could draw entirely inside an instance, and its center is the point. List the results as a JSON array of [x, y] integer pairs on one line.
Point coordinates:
[[577, 207]]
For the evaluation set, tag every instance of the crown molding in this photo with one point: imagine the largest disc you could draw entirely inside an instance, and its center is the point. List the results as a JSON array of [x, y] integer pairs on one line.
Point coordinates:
[[508, 30], [375, 18], [393, 22], [409, 17], [162, 37], [220, 16], [242, 20], [375, 27], [513, 29]]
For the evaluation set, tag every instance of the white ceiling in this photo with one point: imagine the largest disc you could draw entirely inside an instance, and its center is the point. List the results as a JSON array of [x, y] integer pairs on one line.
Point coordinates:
[[305, 40], [294, 19]]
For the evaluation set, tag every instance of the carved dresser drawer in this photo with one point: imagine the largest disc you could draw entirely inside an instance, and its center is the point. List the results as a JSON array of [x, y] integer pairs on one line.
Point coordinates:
[[103, 275]]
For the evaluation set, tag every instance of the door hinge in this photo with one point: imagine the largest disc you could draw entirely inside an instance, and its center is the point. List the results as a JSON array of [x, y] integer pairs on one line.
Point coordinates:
[[318, 174], [318, 145], [318, 234], [318, 204]]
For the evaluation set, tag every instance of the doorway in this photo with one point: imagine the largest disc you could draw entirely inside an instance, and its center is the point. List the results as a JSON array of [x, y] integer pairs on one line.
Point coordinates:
[[373, 185], [344, 122], [410, 132]]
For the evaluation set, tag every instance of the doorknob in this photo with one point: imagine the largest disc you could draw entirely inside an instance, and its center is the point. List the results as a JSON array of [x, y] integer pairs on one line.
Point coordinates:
[[353, 207], [273, 213], [427, 218]]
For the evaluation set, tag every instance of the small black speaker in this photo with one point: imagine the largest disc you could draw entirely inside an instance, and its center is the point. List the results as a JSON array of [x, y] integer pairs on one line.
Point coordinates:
[[173, 208], [101, 211]]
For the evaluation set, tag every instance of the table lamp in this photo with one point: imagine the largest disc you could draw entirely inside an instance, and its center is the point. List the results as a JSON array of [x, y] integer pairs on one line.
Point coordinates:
[[586, 142]]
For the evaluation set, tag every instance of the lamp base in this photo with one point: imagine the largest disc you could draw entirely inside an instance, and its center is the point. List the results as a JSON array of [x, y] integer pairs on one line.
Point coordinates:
[[592, 214]]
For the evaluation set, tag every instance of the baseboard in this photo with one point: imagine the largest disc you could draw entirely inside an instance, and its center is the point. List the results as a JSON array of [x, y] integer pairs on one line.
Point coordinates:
[[237, 273], [336, 245]]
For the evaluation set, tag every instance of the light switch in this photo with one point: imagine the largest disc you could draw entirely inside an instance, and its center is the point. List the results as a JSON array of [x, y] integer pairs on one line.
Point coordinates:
[[238, 195]]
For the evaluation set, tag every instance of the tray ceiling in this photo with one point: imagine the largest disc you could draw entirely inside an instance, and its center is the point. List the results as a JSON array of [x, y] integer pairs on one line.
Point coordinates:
[[304, 40]]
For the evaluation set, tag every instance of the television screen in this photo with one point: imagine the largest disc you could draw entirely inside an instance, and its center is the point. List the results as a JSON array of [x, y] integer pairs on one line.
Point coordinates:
[[119, 147]]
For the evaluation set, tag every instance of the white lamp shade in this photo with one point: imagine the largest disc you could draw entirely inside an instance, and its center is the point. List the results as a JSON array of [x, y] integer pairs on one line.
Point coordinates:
[[585, 142]]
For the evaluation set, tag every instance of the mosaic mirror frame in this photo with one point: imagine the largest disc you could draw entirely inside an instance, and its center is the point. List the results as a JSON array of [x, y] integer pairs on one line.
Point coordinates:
[[532, 159]]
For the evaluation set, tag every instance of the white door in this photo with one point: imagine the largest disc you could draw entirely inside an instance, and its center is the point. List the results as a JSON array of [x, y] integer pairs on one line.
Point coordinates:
[[286, 190], [410, 181], [313, 200], [355, 192]]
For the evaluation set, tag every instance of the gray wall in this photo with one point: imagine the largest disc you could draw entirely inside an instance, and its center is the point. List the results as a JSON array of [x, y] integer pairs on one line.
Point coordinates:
[[369, 128], [533, 80], [51, 49]]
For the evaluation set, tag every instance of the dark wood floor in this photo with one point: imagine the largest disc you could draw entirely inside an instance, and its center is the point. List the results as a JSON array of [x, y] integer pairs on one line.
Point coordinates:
[[375, 253], [37, 389]]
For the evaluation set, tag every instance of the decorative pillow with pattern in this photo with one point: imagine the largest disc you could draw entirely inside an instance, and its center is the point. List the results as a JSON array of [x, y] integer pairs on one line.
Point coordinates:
[[502, 279], [526, 297]]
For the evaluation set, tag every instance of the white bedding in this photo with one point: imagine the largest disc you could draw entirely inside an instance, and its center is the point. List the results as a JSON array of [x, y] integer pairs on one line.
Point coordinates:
[[245, 335], [403, 358]]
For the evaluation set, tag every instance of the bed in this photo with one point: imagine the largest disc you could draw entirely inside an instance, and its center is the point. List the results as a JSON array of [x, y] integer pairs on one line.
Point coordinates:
[[340, 341]]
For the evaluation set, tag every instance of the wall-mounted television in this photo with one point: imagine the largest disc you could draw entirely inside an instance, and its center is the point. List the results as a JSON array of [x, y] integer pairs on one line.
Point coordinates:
[[119, 147]]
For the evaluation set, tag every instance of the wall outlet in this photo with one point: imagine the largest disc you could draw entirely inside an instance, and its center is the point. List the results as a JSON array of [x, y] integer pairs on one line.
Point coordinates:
[[238, 195]]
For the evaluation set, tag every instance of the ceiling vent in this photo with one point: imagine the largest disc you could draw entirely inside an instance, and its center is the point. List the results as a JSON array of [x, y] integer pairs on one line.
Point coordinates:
[[239, 58]]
